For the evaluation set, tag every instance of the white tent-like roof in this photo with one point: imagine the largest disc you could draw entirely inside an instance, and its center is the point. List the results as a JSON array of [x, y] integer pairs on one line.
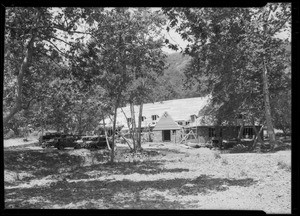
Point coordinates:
[[179, 110], [166, 123]]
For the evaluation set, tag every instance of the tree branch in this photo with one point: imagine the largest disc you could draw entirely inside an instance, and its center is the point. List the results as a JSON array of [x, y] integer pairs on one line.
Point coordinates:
[[68, 31], [28, 104], [25, 64], [51, 59], [280, 25]]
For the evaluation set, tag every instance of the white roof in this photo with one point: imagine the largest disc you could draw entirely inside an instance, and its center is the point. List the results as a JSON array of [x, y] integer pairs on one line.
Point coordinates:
[[179, 110]]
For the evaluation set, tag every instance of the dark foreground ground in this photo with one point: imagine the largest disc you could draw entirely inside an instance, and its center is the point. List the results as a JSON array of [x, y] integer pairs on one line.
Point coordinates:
[[163, 176]]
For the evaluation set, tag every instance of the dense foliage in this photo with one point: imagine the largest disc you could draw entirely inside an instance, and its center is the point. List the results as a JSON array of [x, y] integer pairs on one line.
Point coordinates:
[[238, 58], [69, 68]]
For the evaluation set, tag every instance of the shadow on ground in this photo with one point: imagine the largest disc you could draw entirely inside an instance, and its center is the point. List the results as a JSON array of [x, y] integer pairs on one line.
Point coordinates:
[[91, 193], [42, 163], [121, 194]]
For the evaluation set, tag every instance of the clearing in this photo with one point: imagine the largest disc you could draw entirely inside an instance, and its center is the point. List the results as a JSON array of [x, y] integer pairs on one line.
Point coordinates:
[[163, 176]]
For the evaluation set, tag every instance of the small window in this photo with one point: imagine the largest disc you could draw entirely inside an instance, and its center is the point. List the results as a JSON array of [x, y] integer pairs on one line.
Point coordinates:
[[173, 132], [186, 123], [143, 118], [180, 123], [211, 132], [193, 118], [248, 132], [154, 117]]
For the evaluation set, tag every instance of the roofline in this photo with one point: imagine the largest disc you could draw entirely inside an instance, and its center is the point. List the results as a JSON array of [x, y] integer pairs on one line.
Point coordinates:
[[159, 129], [170, 100]]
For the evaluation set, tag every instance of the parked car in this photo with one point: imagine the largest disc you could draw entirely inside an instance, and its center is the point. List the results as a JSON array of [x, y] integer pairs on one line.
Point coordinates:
[[227, 144], [66, 141], [49, 139], [97, 142], [50, 142]]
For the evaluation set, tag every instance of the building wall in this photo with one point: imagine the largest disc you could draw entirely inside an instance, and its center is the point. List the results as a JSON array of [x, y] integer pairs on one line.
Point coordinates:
[[175, 138], [157, 136], [202, 134], [228, 132]]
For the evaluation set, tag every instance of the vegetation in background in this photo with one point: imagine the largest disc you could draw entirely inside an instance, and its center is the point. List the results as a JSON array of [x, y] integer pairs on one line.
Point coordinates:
[[236, 55]]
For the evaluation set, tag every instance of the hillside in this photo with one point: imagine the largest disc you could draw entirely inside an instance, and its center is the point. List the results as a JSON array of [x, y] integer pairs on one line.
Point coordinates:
[[171, 85], [177, 62]]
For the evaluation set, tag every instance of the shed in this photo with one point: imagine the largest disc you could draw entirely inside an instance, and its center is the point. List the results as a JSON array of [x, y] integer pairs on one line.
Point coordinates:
[[166, 129]]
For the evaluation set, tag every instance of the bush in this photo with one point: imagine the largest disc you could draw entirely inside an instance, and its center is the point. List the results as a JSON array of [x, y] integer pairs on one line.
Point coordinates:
[[9, 134], [35, 133], [224, 161], [281, 146], [239, 148], [217, 155], [243, 173], [283, 165]]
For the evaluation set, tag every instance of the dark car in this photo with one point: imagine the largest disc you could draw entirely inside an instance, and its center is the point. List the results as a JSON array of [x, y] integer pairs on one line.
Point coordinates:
[[227, 144], [49, 139], [66, 141], [96, 142], [50, 142]]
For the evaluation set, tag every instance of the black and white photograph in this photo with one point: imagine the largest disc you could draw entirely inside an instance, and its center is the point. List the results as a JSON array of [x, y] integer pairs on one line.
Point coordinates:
[[169, 108]]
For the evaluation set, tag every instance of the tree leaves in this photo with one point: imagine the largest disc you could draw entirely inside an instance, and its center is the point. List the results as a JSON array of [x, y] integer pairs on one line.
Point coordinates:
[[227, 50]]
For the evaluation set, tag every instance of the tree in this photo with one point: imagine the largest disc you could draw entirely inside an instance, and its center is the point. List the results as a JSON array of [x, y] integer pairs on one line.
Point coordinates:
[[236, 51], [31, 34], [121, 54]]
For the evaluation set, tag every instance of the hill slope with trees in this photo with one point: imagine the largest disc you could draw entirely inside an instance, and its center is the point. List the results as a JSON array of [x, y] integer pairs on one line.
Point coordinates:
[[173, 84]]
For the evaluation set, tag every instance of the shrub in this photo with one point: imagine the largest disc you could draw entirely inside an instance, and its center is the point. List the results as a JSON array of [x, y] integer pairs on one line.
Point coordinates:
[[35, 133], [217, 155], [281, 146], [284, 165], [10, 134], [239, 148], [243, 173], [224, 161]]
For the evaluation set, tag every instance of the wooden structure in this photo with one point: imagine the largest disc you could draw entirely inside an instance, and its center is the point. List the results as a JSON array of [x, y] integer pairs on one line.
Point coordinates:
[[188, 135]]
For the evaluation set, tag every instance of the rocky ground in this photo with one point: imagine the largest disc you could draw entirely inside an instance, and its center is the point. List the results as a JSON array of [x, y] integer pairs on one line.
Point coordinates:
[[163, 176]]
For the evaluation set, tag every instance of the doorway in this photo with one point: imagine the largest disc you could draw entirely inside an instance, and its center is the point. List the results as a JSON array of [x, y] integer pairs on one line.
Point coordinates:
[[166, 135]]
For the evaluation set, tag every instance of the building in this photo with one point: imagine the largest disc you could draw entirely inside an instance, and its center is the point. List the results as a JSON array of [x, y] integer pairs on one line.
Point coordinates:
[[171, 120], [180, 110], [166, 129]]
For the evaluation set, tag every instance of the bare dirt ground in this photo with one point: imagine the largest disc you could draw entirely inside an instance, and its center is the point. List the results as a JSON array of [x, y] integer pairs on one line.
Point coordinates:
[[163, 176], [20, 142]]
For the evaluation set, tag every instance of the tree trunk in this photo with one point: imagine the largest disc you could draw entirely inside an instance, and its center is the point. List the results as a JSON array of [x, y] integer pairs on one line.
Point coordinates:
[[258, 140], [42, 123], [257, 134], [79, 124], [139, 144], [24, 66], [266, 94], [268, 115], [105, 132], [241, 131], [112, 154], [133, 125], [128, 125]]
